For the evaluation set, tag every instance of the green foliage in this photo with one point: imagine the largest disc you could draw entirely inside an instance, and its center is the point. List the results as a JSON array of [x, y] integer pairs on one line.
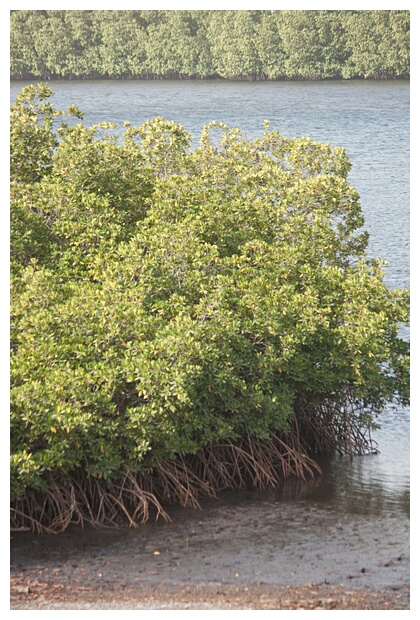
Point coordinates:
[[232, 38], [164, 299], [270, 47], [378, 44], [172, 48], [313, 43], [31, 142], [252, 45], [122, 50]]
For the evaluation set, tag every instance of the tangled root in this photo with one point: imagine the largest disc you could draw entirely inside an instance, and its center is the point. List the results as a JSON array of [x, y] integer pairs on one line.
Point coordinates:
[[226, 465], [340, 428], [135, 497]]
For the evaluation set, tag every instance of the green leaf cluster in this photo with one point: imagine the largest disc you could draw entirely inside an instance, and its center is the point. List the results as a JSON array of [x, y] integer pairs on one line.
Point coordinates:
[[164, 299]]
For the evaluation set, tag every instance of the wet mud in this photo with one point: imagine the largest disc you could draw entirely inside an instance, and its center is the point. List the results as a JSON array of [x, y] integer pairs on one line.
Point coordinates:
[[243, 551]]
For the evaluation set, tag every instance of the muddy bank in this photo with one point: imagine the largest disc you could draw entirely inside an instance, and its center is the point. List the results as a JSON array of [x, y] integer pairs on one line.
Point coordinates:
[[244, 551]]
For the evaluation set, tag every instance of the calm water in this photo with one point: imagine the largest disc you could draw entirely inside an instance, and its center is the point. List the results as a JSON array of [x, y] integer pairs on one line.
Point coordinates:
[[371, 120]]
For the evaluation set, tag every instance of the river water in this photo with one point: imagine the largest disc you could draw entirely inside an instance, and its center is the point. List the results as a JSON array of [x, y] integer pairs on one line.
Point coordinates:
[[371, 120]]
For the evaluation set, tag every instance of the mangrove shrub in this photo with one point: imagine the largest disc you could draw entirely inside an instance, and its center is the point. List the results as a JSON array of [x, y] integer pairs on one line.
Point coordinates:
[[171, 304]]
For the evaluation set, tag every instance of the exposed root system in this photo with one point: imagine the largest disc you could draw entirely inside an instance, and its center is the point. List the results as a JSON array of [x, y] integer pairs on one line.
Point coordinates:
[[231, 464], [332, 428]]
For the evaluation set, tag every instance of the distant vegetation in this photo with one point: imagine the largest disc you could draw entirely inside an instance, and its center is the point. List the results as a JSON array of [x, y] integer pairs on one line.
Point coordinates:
[[242, 45]]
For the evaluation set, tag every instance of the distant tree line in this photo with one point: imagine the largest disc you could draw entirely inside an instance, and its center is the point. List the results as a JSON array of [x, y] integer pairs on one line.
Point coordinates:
[[242, 45]]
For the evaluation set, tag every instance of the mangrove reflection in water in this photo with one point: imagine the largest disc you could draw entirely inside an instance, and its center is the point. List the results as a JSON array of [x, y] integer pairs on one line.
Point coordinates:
[[369, 485]]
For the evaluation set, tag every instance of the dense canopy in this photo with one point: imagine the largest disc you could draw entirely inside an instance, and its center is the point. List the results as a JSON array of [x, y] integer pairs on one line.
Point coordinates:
[[253, 45]]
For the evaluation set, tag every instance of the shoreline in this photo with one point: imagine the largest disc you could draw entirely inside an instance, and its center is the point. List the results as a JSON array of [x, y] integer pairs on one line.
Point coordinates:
[[32, 595], [240, 552]]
